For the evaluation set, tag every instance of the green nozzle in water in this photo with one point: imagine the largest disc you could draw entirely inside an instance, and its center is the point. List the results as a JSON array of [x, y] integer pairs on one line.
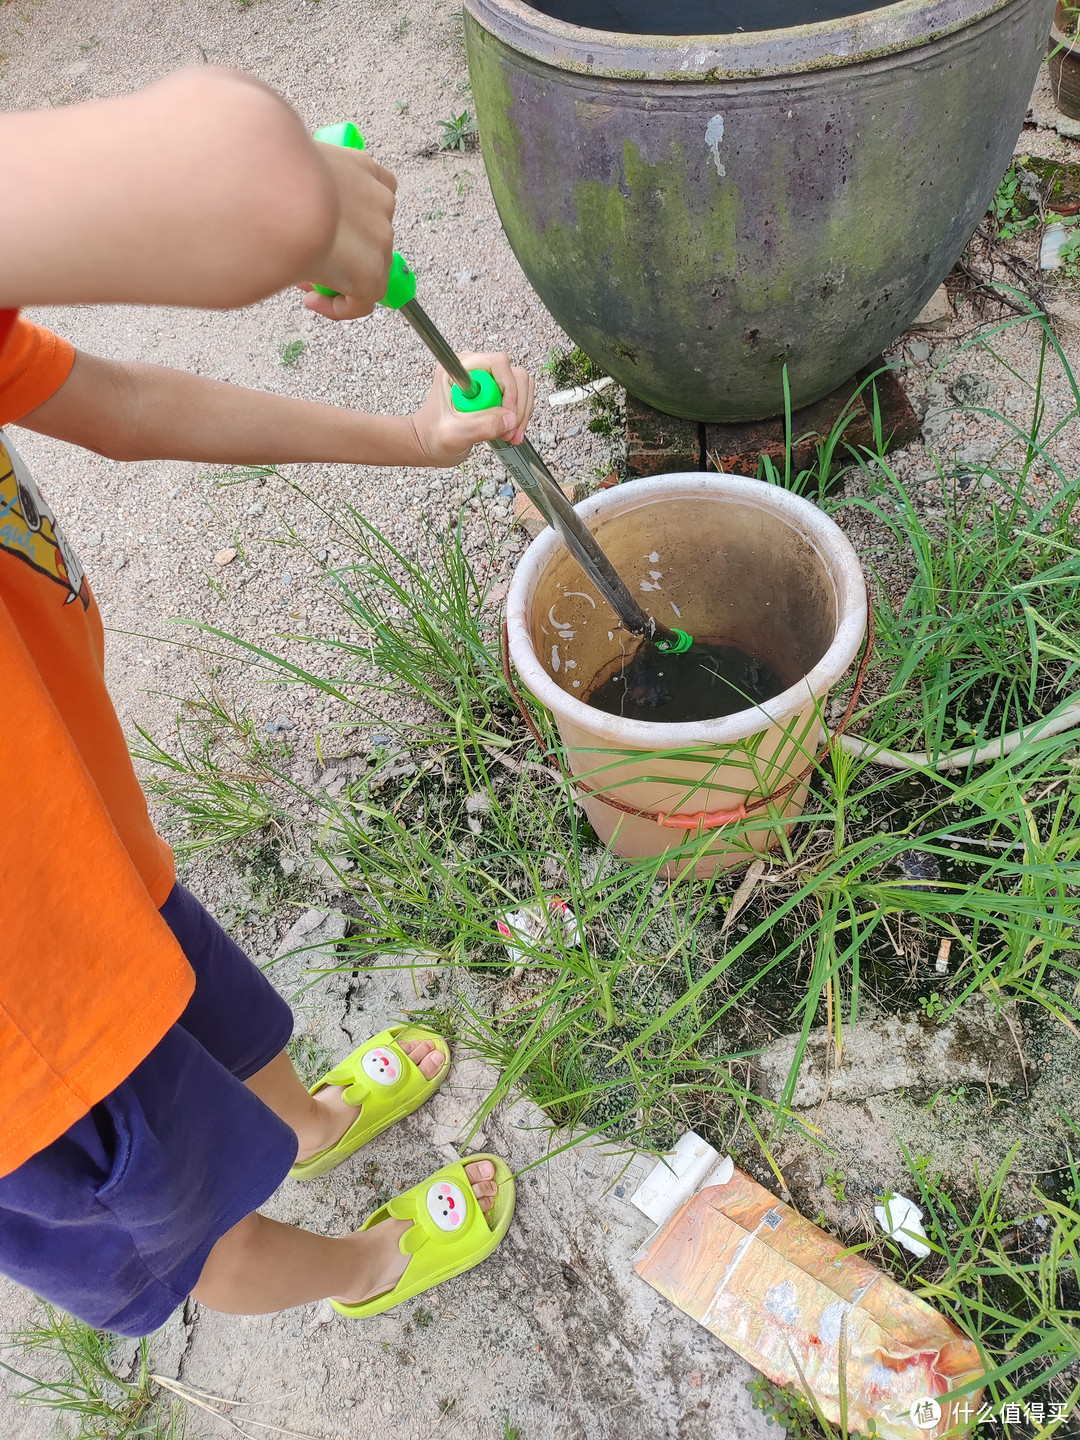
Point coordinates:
[[683, 642], [401, 284]]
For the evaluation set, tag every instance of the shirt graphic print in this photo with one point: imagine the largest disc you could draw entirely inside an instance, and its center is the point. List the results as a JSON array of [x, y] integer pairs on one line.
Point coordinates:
[[30, 531]]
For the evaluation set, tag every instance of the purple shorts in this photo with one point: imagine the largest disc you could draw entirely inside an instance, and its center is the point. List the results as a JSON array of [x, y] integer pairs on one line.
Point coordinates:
[[114, 1220]]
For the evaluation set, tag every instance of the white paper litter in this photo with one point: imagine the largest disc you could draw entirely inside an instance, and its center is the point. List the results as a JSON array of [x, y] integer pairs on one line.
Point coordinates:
[[526, 927], [580, 392], [681, 1172], [1053, 240], [901, 1219]]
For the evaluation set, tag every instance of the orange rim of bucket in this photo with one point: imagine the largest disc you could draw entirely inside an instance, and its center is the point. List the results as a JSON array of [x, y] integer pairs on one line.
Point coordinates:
[[701, 820]]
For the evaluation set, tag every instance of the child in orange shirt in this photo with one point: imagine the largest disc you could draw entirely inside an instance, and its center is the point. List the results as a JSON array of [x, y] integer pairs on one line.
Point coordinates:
[[147, 1106]]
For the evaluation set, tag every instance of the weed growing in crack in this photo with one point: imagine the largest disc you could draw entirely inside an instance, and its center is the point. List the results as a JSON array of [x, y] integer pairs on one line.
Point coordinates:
[[82, 1382], [570, 368], [310, 1059]]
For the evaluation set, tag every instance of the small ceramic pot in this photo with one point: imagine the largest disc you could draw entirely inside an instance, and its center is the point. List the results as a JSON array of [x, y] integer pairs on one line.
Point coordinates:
[[1064, 63]]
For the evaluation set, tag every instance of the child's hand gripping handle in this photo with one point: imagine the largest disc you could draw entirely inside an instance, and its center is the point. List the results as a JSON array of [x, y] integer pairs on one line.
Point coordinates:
[[401, 285]]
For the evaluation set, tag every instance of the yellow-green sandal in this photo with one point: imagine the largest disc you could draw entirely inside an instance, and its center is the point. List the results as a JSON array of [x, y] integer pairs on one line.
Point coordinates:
[[379, 1076], [449, 1233]]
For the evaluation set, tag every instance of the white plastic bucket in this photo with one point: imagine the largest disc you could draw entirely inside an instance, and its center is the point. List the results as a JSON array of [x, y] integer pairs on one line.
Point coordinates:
[[736, 562]]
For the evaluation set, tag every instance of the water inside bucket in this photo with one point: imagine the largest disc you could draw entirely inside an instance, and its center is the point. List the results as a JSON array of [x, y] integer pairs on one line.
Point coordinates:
[[698, 17], [707, 682]]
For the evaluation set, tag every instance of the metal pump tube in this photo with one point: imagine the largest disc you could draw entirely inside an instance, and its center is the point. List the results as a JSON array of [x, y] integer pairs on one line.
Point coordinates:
[[528, 469]]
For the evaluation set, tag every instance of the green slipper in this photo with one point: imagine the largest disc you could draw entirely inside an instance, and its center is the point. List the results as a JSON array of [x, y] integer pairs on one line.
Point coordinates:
[[379, 1076], [449, 1233]]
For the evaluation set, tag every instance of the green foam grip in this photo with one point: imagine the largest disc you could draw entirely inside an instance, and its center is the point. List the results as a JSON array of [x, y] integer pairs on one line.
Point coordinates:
[[400, 286], [345, 134], [486, 398], [683, 642], [401, 283]]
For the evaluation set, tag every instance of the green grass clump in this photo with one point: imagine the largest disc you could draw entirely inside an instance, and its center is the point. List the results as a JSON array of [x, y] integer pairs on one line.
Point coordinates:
[[219, 774], [81, 1383], [1011, 210], [1009, 1276], [458, 132], [290, 352], [570, 368]]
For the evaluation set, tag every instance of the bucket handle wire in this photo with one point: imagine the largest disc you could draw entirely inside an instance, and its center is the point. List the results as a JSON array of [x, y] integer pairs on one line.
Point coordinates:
[[701, 820]]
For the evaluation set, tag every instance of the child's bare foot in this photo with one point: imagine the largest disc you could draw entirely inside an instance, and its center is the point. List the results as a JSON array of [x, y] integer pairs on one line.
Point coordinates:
[[331, 1116], [380, 1263]]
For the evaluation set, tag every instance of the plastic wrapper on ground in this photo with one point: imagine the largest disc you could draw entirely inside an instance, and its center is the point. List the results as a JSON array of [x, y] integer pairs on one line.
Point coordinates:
[[784, 1295]]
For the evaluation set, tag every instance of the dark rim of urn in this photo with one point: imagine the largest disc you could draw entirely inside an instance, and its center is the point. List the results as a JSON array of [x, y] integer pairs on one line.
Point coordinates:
[[828, 44]]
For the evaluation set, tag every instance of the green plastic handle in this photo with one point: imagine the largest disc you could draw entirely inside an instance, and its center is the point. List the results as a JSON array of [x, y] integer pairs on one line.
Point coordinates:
[[488, 394], [401, 284]]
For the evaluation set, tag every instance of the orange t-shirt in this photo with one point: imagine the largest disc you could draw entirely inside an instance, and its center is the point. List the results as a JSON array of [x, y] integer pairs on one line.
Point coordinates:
[[91, 976]]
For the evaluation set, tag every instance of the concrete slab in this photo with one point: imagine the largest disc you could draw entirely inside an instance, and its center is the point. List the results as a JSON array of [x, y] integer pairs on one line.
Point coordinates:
[[981, 1045]]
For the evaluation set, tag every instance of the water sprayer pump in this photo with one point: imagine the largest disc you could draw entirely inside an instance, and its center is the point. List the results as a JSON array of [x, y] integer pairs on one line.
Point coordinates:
[[477, 390]]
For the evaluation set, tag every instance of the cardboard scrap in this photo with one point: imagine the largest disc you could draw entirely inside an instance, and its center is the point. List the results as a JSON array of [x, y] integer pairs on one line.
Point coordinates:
[[784, 1295]]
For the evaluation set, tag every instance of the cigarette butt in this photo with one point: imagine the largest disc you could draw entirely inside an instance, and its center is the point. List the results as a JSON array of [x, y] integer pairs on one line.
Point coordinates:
[[941, 965]]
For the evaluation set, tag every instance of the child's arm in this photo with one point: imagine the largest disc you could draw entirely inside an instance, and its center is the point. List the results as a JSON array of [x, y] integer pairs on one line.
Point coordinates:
[[131, 411], [202, 189]]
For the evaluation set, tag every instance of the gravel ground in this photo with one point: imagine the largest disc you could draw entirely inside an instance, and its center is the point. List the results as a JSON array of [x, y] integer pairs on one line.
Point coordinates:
[[560, 1296]]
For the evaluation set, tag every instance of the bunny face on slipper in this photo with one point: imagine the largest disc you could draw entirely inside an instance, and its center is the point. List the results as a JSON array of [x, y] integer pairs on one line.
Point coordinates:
[[381, 1066], [446, 1205]]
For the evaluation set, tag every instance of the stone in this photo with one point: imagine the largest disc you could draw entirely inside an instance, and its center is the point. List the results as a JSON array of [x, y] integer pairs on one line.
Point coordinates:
[[329, 867], [936, 313], [310, 944], [226, 556], [258, 508], [449, 1113], [970, 390], [977, 1045], [657, 443], [919, 351], [507, 491], [119, 563], [977, 453], [939, 414]]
